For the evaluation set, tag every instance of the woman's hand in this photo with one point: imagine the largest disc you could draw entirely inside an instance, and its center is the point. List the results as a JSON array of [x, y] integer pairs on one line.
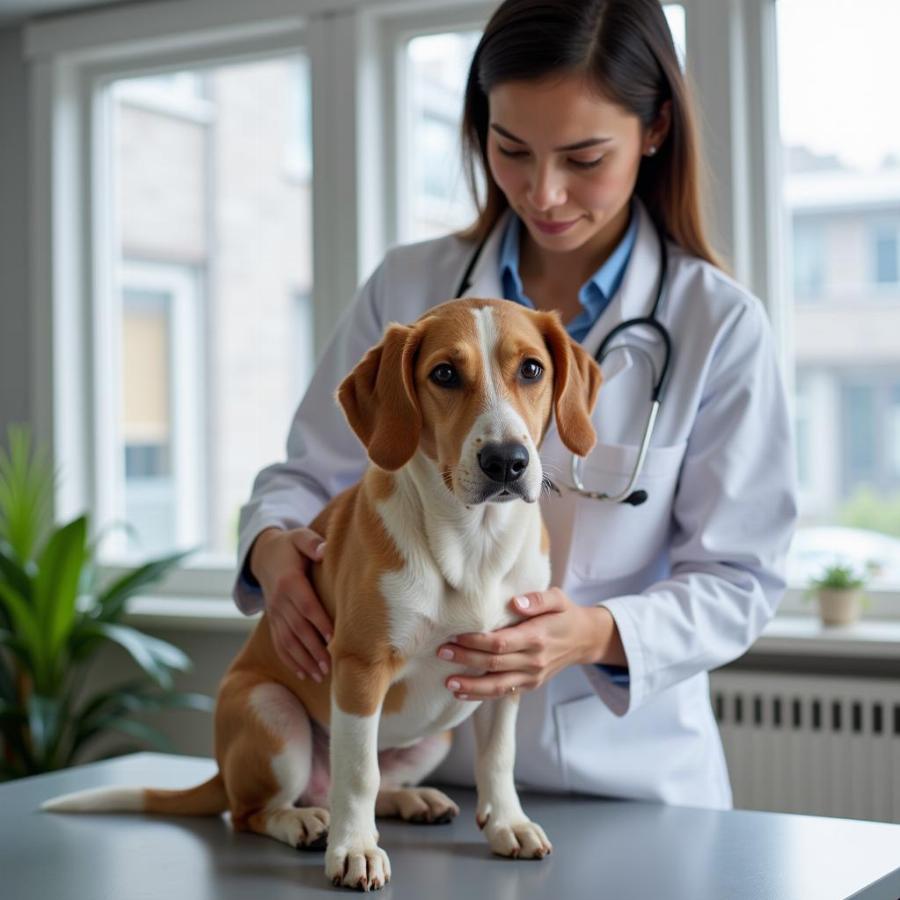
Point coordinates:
[[300, 626], [555, 633]]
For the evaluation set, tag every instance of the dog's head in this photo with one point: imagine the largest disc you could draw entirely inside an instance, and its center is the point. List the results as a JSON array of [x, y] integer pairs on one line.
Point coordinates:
[[473, 384]]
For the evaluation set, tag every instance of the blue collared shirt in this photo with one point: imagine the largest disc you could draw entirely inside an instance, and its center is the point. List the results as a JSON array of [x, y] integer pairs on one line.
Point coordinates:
[[595, 295]]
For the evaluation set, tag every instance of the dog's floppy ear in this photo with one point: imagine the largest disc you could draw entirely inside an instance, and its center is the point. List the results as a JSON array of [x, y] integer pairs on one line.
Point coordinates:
[[379, 398], [576, 380]]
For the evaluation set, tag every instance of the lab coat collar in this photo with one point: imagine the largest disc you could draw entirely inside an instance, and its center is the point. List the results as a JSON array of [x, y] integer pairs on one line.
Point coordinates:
[[636, 293], [485, 278]]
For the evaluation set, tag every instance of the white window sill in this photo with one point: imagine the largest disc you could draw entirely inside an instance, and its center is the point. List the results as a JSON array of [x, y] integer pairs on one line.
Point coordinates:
[[187, 614], [796, 634], [789, 635]]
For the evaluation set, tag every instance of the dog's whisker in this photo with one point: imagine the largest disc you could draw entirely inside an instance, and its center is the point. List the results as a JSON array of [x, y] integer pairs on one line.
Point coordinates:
[[548, 487]]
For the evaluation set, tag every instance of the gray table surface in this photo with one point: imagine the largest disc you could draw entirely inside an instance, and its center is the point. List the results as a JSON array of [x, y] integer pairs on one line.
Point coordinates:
[[602, 849]]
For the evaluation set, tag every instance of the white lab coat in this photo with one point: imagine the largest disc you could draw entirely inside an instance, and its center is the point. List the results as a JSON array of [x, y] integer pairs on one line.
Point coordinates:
[[691, 576]]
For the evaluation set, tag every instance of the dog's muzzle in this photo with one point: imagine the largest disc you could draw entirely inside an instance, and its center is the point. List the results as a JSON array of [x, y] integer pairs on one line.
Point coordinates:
[[503, 465]]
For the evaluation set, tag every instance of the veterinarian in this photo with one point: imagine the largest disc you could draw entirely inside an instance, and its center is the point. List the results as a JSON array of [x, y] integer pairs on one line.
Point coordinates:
[[578, 117]]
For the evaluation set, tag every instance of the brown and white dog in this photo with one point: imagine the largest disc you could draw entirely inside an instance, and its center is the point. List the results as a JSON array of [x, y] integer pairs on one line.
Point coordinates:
[[430, 543]]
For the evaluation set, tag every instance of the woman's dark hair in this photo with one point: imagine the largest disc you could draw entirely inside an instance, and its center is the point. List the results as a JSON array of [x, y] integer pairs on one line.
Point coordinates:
[[625, 51]]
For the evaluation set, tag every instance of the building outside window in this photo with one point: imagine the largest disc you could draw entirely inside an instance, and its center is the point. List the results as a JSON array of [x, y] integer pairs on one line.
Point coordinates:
[[887, 243], [842, 191]]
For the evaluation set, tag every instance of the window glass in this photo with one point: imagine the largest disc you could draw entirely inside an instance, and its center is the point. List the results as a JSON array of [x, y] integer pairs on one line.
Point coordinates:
[[147, 415], [842, 193], [893, 430], [439, 200], [809, 257], [887, 241], [210, 323], [802, 432]]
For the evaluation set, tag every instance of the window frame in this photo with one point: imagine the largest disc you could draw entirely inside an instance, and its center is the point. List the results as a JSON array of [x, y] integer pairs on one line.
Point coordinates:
[[394, 33]]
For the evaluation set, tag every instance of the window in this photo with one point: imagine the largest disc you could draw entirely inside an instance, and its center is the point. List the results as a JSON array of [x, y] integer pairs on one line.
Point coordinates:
[[675, 16], [210, 320], [887, 241], [303, 351], [299, 137], [147, 416], [842, 193], [184, 93], [159, 427], [802, 432], [892, 434], [861, 434], [809, 259], [435, 71]]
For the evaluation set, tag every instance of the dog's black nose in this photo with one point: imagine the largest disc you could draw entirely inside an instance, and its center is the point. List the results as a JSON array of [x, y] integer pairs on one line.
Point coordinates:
[[503, 463]]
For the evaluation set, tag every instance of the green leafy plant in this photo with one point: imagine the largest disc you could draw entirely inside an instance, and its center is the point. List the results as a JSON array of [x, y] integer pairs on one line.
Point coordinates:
[[54, 618], [838, 577]]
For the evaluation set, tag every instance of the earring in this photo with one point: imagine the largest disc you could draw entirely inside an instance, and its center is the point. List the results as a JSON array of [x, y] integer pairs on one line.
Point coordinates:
[[651, 150]]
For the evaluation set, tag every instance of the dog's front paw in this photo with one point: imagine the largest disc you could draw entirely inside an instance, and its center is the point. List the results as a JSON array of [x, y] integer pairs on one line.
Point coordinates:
[[357, 862], [521, 839], [416, 804]]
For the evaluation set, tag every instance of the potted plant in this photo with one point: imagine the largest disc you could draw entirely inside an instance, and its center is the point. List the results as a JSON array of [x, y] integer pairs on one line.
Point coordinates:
[[54, 618], [839, 590]]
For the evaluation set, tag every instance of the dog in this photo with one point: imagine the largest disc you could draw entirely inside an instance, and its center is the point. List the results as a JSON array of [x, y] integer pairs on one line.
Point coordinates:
[[441, 532]]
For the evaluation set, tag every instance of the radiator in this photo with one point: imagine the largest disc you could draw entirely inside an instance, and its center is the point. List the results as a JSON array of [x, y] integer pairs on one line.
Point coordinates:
[[824, 746]]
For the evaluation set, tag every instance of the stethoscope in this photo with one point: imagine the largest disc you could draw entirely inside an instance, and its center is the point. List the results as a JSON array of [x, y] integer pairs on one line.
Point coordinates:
[[628, 494]]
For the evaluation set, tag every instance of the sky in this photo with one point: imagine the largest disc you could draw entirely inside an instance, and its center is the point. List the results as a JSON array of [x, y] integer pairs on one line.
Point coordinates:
[[839, 67]]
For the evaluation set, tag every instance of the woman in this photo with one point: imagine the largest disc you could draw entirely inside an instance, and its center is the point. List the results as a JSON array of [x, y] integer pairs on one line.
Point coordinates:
[[577, 115]]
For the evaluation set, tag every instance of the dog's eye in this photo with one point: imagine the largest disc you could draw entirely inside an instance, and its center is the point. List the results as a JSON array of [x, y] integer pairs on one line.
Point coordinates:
[[445, 375], [531, 370]]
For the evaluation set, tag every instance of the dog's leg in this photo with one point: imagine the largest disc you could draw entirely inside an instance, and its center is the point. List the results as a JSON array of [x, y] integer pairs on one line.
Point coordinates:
[[509, 831], [402, 770], [353, 858], [264, 747]]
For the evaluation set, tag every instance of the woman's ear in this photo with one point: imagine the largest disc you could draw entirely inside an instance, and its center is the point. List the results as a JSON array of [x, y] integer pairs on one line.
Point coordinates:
[[576, 380], [656, 135], [379, 398]]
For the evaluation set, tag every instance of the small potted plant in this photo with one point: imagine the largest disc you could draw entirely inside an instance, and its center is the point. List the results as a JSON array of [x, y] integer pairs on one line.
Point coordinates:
[[839, 590]]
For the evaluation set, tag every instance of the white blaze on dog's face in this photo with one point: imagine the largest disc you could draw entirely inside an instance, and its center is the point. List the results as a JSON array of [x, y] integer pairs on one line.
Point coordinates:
[[472, 385], [484, 379]]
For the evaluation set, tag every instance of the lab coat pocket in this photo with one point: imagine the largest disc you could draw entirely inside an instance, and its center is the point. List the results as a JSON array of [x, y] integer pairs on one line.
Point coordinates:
[[614, 540], [577, 720]]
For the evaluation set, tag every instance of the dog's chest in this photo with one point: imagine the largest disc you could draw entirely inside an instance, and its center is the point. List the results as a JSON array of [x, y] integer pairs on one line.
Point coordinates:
[[423, 619], [425, 611], [428, 706], [457, 578]]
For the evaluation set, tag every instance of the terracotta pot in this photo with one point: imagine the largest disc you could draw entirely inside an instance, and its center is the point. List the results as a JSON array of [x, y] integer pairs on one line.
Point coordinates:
[[840, 606]]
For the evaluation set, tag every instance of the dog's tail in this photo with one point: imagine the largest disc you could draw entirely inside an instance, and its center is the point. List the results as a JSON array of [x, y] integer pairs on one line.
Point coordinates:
[[207, 799]]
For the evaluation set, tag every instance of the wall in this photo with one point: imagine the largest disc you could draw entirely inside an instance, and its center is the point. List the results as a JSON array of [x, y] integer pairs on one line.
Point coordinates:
[[190, 731], [15, 331]]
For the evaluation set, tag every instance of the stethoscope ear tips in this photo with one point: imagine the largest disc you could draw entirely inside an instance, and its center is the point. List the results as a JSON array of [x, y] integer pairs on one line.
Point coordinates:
[[636, 498]]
